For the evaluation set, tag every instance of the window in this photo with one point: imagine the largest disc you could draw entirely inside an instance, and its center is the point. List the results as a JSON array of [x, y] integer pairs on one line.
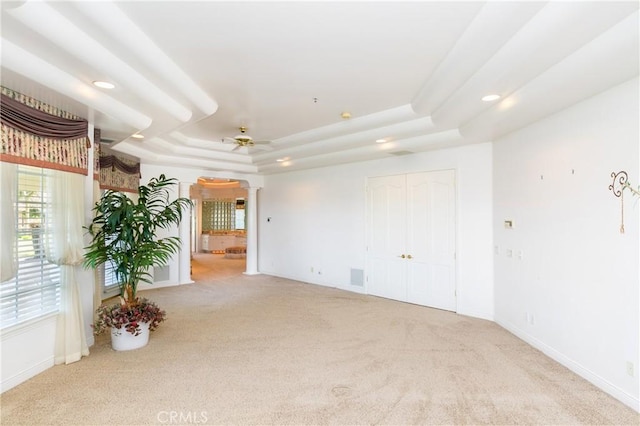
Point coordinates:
[[218, 215], [223, 214], [108, 280], [240, 213], [35, 289], [107, 275]]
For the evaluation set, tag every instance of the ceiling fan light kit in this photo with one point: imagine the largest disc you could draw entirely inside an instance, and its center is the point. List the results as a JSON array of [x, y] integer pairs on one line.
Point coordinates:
[[244, 140]]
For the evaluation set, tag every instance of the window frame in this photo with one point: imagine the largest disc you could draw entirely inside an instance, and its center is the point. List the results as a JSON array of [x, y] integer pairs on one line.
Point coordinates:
[[35, 290]]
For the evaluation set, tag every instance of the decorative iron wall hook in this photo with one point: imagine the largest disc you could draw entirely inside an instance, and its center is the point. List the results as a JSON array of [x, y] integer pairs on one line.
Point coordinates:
[[620, 181], [621, 178]]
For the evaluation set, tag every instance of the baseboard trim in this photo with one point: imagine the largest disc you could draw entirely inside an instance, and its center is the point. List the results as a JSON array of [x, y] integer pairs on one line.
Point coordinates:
[[475, 314], [600, 382], [25, 375], [292, 278]]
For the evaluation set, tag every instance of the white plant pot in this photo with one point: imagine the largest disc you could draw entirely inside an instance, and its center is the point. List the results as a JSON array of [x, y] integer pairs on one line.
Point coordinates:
[[122, 340]]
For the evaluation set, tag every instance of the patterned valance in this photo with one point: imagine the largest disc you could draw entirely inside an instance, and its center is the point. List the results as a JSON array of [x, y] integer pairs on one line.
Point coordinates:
[[38, 134], [118, 173], [97, 134]]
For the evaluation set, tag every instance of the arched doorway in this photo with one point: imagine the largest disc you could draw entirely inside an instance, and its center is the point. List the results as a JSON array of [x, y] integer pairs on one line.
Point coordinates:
[[219, 228]]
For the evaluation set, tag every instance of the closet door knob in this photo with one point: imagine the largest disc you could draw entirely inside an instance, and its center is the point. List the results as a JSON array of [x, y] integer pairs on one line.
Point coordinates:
[[403, 256], [409, 256]]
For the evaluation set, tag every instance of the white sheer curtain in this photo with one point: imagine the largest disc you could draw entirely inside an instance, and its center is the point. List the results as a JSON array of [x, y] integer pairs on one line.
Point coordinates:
[[8, 175], [65, 247], [97, 282]]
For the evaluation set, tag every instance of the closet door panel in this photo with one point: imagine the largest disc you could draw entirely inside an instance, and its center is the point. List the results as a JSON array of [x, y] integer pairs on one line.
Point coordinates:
[[431, 239], [418, 238], [386, 230]]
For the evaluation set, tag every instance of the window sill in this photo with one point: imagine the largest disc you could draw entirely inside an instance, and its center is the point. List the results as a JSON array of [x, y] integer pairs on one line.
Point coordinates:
[[24, 327]]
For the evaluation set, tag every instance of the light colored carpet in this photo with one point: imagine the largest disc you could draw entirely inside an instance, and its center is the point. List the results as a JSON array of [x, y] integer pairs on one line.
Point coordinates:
[[259, 350]]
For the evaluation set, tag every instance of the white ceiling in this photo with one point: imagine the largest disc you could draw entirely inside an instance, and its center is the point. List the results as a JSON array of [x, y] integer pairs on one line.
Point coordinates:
[[188, 74]]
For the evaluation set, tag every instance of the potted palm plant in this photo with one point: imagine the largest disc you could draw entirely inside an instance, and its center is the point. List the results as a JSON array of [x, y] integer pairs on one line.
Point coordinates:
[[124, 236]]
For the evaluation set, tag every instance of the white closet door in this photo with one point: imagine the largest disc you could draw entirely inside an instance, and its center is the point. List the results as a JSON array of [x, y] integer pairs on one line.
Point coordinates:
[[411, 238], [386, 237], [431, 279]]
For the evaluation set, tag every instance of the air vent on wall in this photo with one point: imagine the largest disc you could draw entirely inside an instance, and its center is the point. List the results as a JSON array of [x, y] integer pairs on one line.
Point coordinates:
[[398, 153], [357, 277], [161, 273]]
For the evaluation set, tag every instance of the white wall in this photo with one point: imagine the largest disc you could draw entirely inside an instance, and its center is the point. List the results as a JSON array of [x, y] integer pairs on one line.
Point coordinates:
[[318, 221], [27, 350], [577, 278]]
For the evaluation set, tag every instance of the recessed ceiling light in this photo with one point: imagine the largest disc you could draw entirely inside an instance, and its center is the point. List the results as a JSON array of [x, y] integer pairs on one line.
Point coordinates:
[[381, 140], [104, 84], [137, 136], [490, 98], [280, 160], [346, 115]]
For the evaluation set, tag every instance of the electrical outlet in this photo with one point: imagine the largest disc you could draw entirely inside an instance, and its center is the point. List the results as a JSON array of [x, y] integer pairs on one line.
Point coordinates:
[[312, 269], [529, 318], [630, 368]]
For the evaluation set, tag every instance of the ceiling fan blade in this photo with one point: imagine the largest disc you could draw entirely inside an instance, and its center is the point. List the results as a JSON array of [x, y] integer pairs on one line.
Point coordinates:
[[228, 140], [261, 142], [236, 147]]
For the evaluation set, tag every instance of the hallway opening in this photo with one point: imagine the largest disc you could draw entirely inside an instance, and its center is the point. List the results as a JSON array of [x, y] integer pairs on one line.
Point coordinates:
[[211, 266]]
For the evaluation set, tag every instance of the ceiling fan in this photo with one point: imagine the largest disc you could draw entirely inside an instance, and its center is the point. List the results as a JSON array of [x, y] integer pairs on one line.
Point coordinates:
[[244, 140]]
